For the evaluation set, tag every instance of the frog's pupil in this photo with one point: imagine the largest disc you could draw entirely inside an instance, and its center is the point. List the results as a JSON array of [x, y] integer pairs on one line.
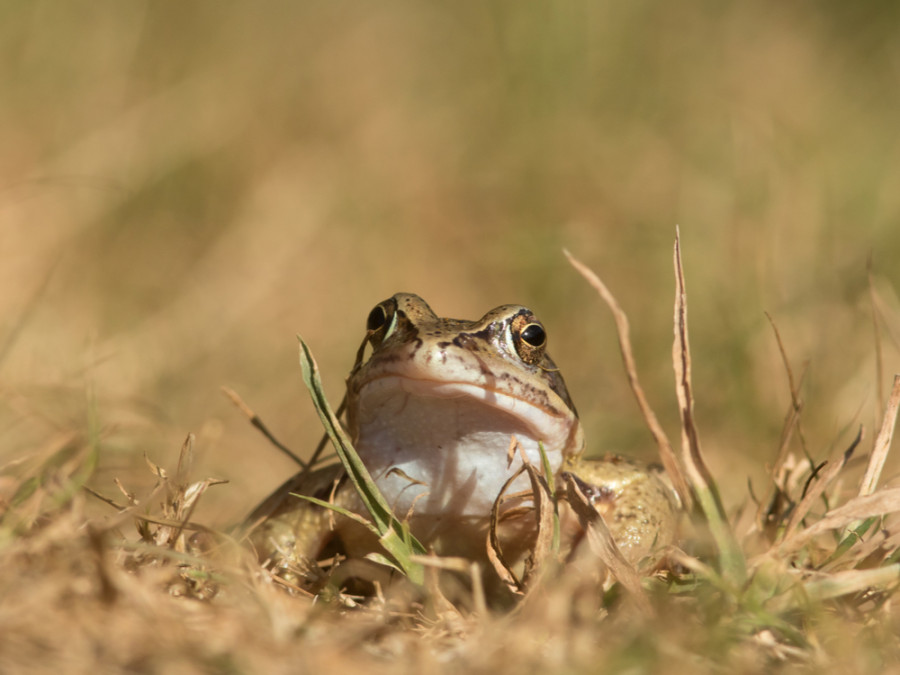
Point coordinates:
[[534, 335], [377, 318]]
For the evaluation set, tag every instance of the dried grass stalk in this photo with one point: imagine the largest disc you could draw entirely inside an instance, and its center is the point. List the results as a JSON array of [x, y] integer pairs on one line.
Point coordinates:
[[879, 503], [494, 548], [681, 359], [882, 442], [768, 508], [698, 473], [796, 402], [666, 453], [818, 487], [547, 529]]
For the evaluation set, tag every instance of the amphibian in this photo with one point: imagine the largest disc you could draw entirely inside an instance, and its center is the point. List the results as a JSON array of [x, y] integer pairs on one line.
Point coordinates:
[[441, 412]]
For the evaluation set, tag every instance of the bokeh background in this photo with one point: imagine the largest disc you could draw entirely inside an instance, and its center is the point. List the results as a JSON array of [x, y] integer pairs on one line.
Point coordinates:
[[186, 186]]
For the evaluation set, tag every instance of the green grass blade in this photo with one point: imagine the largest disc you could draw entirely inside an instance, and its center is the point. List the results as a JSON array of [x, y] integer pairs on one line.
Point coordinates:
[[338, 509], [551, 487], [855, 535], [393, 534]]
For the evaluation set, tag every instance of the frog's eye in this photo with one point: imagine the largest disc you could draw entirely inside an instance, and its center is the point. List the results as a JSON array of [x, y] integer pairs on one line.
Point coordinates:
[[377, 318], [534, 334], [380, 322], [529, 338]]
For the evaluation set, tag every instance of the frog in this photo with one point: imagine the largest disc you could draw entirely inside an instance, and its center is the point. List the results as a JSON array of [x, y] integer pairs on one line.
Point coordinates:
[[444, 413]]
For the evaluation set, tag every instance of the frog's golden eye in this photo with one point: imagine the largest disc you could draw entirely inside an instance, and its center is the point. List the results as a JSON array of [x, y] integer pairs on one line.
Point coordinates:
[[534, 334], [529, 338], [377, 318]]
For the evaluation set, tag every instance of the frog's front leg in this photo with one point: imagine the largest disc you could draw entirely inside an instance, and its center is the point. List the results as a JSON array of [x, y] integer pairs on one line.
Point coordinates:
[[290, 532]]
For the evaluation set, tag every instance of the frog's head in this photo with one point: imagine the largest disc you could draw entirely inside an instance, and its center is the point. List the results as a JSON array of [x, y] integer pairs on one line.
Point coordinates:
[[434, 407]]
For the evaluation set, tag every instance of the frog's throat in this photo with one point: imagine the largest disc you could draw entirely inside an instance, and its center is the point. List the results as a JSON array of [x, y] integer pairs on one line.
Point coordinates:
[[557, 428], [442, 449]]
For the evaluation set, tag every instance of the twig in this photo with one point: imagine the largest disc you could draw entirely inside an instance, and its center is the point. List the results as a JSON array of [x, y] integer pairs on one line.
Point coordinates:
[[104, 499], [667, 454], [169, 522], [258, 423], [882, 442], [795, 399], [796, 402]]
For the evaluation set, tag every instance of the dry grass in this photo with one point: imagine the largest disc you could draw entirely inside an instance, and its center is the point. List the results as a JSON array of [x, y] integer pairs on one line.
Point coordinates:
[[806, 583], [183, 188]]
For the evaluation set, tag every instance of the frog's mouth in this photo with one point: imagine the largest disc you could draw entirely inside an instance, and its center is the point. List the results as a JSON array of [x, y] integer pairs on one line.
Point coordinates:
[[444, 449]]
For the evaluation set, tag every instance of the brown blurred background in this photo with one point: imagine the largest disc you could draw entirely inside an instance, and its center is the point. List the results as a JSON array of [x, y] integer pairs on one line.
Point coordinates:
[[186, 186]]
